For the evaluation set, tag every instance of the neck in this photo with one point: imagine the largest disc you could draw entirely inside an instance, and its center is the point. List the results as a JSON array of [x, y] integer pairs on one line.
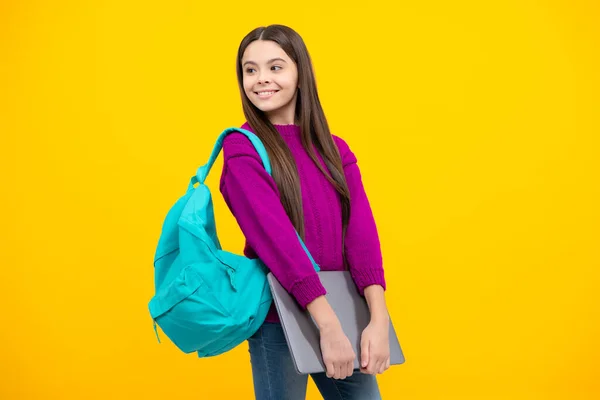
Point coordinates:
[[275, 120]]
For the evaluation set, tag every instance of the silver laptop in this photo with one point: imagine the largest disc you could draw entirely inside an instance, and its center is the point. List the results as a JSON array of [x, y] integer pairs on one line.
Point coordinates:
[[302, 334]]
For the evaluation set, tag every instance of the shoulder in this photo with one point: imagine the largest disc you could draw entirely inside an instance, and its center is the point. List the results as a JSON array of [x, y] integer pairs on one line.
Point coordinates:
[[236, 144], [346, 153]]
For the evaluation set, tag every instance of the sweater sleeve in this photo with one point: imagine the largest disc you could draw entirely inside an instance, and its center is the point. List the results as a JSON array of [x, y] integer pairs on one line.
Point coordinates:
[[362, 246], [253, 198]]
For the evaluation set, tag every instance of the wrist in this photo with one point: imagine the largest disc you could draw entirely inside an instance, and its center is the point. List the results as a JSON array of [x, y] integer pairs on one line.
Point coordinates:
[[375, 298], [380, 318], [323, 315], [329, 326]]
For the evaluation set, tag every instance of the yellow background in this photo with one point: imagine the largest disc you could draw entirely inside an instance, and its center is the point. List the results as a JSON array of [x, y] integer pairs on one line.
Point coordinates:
[[476, 127]]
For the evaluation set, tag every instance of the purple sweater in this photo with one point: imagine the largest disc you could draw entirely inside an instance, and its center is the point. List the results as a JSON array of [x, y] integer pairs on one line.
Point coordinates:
[[253, 197]]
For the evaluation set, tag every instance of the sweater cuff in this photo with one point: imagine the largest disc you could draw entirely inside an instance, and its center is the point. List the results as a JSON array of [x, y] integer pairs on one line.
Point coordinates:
[[368, 277], [308, 289]]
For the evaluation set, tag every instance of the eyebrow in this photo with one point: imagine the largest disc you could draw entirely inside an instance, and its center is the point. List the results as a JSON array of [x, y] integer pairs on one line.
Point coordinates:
[[268, 62]]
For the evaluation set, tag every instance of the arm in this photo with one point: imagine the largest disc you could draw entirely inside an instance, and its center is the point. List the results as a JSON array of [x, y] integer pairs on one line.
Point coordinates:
[[375, 296], [323, 314], [364, 257], [252, 196], [362, 245]]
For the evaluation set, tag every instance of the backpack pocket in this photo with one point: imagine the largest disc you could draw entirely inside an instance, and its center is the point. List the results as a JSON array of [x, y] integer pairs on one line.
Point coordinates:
[[189, 313]]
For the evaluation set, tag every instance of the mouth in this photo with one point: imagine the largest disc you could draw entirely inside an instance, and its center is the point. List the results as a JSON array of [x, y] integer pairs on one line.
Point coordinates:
[[265, 94]]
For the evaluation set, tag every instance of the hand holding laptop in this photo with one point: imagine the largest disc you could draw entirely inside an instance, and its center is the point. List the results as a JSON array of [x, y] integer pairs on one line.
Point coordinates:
[[338, 355], [303, 331], [336, 350], [375, 342], [375, 348]]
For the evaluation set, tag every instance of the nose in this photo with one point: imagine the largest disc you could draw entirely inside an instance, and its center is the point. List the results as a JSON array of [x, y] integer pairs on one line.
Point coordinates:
[[262, 79]]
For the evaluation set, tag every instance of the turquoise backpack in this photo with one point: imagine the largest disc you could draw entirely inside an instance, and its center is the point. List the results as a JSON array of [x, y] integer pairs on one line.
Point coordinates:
[[207, 300]]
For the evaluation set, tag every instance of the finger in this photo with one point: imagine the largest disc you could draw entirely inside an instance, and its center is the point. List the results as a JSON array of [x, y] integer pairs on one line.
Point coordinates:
[[387, 363], [349, 368], [351, 364], [343, 370], [381, 367], [338, 371], [330, 369], [372, 367], [375, 367], [364, 353]]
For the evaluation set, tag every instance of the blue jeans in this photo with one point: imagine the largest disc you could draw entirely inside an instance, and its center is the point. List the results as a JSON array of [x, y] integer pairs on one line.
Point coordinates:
[[275, 377]]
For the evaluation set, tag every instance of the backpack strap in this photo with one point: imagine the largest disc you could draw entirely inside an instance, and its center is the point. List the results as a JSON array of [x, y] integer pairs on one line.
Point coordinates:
[[203, 171]]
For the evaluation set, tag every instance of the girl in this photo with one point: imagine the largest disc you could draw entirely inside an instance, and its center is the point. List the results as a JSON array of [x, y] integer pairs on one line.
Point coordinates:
[[316, 189]]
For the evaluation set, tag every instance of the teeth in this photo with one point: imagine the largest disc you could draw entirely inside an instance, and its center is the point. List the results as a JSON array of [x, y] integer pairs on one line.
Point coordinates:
[[265, 93]]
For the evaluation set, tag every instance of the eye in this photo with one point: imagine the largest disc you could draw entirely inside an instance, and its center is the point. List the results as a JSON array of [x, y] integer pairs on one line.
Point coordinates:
[[249, 69], [275, 66]]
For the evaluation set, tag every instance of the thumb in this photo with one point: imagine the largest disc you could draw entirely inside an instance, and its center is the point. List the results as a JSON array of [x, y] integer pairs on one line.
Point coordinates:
[[364, 352]]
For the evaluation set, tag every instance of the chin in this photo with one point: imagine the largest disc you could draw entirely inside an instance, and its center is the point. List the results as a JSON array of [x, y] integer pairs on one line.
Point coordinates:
[[268, 109]]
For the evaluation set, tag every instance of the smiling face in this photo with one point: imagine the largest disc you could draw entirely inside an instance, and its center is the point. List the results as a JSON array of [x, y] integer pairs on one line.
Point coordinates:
[[270, 80]]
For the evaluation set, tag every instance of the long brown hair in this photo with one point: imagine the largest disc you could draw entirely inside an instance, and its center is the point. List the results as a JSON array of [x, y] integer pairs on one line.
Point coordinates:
[[313, 126]]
